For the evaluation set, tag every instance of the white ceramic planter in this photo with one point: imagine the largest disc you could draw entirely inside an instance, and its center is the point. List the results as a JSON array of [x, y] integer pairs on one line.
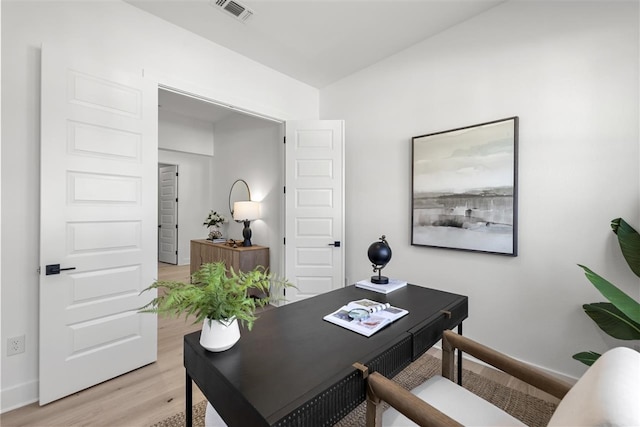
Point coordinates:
[[218, 336]]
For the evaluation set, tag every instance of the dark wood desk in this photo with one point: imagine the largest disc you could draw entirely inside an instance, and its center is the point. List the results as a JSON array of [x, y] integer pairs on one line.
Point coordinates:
[[295, 366]]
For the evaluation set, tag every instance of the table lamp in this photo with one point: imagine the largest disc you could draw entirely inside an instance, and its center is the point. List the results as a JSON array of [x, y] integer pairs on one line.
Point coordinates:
[[246, 212]]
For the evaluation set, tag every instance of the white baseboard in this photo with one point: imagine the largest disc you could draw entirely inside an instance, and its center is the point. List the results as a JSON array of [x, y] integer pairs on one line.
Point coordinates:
[[18, 396]]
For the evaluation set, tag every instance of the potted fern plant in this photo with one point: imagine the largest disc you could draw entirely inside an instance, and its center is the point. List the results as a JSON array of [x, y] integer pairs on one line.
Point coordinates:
[[620, 317], [218, 297]]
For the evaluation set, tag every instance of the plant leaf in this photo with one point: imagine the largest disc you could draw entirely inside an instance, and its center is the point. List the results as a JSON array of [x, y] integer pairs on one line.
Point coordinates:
[[215, 293], [586, 357], [622, 301], [629, 240], [612, 321]]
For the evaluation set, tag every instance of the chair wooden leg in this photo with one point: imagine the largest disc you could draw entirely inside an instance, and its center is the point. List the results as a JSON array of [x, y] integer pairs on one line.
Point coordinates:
[[374, 412], [374, 406], [448, 359]]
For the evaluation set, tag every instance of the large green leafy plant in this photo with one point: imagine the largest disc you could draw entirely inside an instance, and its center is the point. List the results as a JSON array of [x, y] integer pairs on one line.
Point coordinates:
[[620, 317], [215, 293]]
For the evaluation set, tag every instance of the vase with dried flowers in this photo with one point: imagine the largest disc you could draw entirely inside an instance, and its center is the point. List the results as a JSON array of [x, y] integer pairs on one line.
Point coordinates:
[[213, 221]]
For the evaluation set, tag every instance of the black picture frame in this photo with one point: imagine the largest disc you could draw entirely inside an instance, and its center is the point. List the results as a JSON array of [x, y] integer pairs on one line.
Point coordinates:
[[464, 188]]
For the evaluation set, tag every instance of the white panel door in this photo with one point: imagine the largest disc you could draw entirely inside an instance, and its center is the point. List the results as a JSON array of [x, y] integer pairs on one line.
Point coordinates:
[[168, 214], [314, 227], [98, 221]]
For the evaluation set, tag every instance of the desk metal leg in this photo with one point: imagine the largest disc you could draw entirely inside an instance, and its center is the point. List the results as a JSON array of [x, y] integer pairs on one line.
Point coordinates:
[[460, 357], [188, 409]]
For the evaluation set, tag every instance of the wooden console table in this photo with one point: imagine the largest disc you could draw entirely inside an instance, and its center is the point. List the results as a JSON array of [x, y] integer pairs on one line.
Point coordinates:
[[240, 258]]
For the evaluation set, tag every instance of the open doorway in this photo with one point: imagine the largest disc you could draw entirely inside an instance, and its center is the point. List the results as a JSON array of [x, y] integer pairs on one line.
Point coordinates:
[[213, 146], [251, 147]]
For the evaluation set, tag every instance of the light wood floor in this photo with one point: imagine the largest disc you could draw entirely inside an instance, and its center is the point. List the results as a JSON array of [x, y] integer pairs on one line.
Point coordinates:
[[139, 398], [155, 392]]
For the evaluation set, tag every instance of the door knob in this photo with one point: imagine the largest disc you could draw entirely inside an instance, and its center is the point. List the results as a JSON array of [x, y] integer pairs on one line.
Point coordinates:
[[55, 269]]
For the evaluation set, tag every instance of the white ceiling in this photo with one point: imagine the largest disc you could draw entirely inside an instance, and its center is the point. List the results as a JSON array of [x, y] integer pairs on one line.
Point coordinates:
[[318, 41]]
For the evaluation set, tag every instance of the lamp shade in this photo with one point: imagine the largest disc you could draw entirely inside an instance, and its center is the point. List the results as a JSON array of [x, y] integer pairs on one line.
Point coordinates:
[[246, 211]]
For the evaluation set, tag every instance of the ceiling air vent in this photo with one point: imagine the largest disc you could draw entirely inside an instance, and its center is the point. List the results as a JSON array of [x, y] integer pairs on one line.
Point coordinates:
[[238, 11]]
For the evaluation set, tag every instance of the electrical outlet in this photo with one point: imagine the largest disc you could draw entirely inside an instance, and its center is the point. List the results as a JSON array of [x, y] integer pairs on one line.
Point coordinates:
[[15, 345]]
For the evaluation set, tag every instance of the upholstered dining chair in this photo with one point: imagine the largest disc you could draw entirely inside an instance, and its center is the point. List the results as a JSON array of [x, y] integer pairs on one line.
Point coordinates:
[[608, 394]]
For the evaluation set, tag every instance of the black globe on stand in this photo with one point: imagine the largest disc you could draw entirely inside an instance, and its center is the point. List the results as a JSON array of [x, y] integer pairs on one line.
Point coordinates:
[[379, 254]]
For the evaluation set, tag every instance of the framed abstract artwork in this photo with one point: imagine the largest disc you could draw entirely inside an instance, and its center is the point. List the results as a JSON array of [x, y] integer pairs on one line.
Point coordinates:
[[464, 188]]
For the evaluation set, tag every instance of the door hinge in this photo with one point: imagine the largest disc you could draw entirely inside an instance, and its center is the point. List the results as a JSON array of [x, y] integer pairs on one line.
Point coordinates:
[[176, 225], [176, 252], [176, 173], [284, 140], [284, 240], [176, 200], [284, 189], [39, 269]]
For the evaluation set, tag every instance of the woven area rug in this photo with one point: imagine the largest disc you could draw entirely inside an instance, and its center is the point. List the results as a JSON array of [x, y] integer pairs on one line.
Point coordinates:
[[532, 411]]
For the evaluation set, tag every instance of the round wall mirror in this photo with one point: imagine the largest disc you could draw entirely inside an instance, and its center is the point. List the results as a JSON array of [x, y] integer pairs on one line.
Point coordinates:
[[239, 193]]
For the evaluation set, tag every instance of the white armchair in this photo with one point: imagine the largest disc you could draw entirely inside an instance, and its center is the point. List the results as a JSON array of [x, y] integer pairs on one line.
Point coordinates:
[[608, 394]]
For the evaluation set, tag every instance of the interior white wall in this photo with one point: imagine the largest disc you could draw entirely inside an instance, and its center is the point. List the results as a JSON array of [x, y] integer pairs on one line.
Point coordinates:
[[180, 133], [130, 40], [569, 70], [252, 149]]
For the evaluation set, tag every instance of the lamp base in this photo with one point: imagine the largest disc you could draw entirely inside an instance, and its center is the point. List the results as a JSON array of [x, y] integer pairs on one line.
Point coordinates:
[[246, 233], [380, 280]]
